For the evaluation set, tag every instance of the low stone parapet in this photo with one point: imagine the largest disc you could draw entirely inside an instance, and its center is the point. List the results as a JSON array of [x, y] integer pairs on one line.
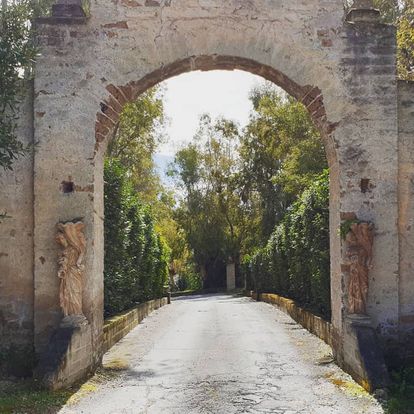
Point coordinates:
[[314, 324], [116, 327], [68, 357], [362, 356]]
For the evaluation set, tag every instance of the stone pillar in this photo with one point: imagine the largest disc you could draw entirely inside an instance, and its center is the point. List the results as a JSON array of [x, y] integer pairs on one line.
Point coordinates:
[[406, 218], [231, 276], [369, 176]]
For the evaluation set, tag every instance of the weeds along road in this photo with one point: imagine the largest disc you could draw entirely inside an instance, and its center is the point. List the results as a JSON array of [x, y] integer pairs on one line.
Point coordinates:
[[220, 354]]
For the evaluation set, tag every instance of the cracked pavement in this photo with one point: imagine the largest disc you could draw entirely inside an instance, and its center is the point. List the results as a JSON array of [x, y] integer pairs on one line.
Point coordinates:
[[220, 354]]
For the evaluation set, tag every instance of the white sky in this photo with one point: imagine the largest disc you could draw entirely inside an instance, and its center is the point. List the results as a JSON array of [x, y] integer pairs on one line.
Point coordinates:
[[190, 95]]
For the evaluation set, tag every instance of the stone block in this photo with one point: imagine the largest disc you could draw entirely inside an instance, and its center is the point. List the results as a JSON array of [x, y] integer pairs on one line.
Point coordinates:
[[363, 356], [65, 360]]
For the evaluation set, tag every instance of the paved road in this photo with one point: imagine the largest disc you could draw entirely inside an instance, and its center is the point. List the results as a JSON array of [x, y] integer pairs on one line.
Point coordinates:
[[220, 354]]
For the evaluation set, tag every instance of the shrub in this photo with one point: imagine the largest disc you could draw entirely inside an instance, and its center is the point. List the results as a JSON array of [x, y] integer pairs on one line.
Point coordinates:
[[136, 257], [295, 262]]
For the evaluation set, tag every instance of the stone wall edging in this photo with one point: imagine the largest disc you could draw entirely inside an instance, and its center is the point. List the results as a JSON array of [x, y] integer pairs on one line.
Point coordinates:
[[116, 327], [314, 324]]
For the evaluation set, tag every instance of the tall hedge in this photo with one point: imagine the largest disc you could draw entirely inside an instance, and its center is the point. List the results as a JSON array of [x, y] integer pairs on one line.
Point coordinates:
[[295, 262], [136, 257]]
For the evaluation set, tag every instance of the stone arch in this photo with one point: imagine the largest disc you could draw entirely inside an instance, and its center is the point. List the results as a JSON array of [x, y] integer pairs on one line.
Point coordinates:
[[343, 70], [310, 96]]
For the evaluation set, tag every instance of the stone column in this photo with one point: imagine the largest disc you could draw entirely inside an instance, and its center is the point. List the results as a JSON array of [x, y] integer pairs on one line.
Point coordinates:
[[369, 177], [231, 275]]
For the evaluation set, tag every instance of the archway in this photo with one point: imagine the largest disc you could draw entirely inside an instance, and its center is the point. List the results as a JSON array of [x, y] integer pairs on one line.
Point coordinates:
[[111, 107], [89, 68]]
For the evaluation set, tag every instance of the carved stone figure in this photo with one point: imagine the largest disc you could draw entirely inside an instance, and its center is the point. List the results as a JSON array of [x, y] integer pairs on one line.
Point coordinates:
[[71, 238], [359, 241]]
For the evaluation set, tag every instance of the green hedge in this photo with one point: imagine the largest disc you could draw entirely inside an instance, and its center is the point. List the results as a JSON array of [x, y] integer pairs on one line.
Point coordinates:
[[295, 262], [136, 257]]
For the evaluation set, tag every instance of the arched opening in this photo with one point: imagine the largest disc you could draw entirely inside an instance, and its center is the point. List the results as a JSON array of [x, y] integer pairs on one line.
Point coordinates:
[[90, 67], [310, 96]]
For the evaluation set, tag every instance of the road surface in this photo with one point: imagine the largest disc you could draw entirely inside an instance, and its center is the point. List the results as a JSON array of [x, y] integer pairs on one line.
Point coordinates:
[[220, 354]]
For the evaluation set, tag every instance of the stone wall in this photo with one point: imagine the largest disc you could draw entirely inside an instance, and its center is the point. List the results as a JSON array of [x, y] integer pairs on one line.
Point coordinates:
[[68, 358], [362, 358], [314, 324], [16, 252], [116, 327], [368, 156], [406, 216]]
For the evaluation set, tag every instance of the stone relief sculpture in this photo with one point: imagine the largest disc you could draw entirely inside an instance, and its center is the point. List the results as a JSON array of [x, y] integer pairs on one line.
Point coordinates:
[[71, 238], [359, 239]]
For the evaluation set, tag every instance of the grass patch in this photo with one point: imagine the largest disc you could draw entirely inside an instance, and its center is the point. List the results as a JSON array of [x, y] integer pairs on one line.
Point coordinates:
[[25, 397]]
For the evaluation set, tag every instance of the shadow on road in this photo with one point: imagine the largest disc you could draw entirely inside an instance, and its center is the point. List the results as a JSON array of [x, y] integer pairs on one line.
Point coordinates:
[[205, 296]]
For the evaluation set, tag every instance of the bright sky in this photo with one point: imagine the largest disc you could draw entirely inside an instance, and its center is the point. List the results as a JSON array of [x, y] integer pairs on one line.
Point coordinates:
[[190, 95]]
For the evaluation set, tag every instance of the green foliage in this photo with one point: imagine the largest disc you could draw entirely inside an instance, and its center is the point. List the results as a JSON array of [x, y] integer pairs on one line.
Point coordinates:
[[28, 398], [401, 396], [405, 42], [238, 185], [189, 278], [136, 257], [345, 227], [401, 13], [210, 212], [295, 262], [281, 153], [17, 55], [139, 132]]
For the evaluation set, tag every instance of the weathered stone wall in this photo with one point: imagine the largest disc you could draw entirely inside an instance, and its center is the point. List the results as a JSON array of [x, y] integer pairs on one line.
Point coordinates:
[[16, 252], [231, 276], [312, 323], [406, 215], [343, 71], [116, 327], [368, 157], [121, 51]]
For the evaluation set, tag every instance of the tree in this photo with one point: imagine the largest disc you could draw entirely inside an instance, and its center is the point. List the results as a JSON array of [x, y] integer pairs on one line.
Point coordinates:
[[139, 132], [17, 54], [281, 153], [210, 212], [17, 57], [295, 261]]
